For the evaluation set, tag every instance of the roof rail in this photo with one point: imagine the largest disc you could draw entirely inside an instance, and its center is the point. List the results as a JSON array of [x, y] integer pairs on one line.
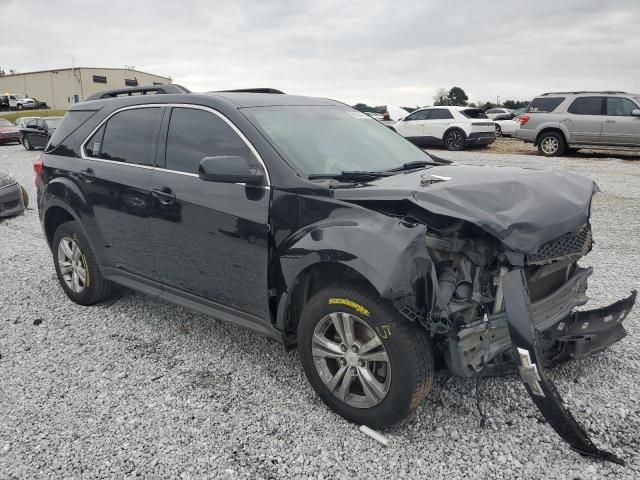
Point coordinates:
[[251, 90], [153, 89], [608, 92]]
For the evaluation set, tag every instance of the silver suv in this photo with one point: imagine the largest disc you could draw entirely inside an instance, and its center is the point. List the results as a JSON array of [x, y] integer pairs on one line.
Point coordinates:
[[567, 121]]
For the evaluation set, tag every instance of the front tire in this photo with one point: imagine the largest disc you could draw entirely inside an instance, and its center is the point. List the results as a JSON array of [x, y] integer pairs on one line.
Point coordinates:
[[77, 267], [551, 144], [366, 362], [454, 140]]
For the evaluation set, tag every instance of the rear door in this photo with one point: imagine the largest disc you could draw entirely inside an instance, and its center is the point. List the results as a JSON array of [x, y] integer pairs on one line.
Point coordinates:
[[210, 239], [115, 178], [413, 125], [620, 127], [437, 123], [584, 120]]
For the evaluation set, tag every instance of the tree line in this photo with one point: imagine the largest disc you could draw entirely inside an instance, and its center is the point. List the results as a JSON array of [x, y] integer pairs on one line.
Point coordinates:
[[455, 96]]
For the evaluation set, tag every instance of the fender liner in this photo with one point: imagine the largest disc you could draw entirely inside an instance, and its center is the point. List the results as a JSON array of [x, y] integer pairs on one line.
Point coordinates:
[[530, 360]]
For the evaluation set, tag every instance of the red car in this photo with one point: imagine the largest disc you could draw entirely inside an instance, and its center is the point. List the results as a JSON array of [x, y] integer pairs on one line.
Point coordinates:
[[8, 132]]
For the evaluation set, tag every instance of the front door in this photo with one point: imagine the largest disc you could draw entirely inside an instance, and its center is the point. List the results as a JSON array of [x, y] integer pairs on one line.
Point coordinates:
[[115, 175], [412, 127], [620, 127], [584, 120], [210, 239]]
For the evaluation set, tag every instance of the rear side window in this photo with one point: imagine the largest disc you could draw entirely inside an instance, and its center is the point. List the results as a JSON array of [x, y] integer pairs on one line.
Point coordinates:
[[70, 123], [420, 115], [545, 104], [129, 137], [586, 106], [473, 113], [621, 107], [195, 134], [440, 114]]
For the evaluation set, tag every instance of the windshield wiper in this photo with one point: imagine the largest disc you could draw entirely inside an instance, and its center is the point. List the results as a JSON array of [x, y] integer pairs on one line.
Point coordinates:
[[349, 176], [412, 166]]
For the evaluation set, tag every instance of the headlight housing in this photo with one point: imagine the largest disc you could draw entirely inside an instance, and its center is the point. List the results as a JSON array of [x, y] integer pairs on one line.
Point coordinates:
[[7, 181]]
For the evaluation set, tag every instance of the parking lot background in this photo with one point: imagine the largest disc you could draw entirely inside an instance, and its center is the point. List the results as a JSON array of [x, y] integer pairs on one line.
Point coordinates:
[[142, 387]]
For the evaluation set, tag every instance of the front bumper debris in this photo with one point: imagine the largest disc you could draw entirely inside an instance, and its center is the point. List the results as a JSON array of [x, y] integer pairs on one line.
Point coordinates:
[[583, 332]]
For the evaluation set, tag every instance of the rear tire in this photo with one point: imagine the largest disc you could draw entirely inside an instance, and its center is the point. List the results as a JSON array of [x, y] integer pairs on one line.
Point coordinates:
[[498, 130], [27, 144], [551, 144], [454, 140], [76, 266], [378, 392]]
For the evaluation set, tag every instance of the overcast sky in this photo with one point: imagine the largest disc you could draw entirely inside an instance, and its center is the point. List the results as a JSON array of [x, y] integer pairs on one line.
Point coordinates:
[[378, 52]]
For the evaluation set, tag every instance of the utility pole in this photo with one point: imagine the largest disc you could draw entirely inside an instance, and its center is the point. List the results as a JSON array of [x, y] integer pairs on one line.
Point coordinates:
[[498, 101]]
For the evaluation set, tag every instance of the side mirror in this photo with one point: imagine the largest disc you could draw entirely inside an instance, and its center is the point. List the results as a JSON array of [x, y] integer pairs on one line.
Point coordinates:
[[229, 169], [635, 112]]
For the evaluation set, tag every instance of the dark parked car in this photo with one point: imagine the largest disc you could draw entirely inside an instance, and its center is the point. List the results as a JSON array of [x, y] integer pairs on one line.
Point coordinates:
[[8, 132], [317, 226], [13, 197], [38, 131]]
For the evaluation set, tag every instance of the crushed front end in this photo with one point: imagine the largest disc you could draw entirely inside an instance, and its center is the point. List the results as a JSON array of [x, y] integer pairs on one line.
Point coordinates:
[[496, 311]]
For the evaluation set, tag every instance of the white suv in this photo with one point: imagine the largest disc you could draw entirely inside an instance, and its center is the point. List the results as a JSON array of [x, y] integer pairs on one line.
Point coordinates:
[[453, 127]]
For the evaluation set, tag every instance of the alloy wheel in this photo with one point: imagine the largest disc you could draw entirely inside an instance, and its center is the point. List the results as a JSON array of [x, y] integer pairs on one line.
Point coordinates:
[[351, 360], [25, 143], [454, 140], [498, 131], [72, 264], [550, 145]]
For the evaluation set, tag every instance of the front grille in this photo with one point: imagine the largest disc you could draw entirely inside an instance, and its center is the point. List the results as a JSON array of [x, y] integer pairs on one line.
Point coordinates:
[[572, 245]]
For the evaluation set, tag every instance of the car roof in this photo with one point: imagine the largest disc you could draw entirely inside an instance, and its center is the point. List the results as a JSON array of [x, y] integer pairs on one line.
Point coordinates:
[[235, 99]]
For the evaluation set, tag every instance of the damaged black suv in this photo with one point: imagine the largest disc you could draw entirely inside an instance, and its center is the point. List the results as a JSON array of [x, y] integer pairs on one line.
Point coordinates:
[[316, 225]]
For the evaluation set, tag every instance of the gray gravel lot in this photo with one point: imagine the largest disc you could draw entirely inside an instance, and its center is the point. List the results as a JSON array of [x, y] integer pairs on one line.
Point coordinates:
[[144, 388]]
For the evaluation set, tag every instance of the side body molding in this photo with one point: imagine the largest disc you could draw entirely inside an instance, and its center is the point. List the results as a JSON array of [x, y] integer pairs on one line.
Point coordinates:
[[530, 359]]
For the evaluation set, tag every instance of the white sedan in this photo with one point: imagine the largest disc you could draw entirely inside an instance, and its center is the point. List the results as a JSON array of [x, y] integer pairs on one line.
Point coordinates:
[[506, 128], [452, 127]]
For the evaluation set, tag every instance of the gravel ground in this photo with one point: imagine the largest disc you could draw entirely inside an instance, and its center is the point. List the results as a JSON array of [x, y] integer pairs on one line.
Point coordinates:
[[143, 388]]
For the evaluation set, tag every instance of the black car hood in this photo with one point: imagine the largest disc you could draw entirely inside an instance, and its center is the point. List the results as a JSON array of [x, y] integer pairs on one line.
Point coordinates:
[[523, 208]]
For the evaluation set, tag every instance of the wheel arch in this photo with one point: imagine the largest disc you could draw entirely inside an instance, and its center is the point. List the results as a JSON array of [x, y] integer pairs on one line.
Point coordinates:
[[450, 129], [555, 129]]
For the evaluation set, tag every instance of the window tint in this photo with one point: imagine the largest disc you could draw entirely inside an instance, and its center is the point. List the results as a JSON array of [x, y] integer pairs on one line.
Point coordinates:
[[586, 106], [473, 113], [420, 115], [620, 106], [440, 114], [71, 121], [32, 124], [545, 104], [92, 147], [130, 136], [195, 134]]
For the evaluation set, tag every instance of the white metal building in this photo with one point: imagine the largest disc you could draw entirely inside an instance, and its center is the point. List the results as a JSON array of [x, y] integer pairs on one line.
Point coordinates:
[[63, 87]]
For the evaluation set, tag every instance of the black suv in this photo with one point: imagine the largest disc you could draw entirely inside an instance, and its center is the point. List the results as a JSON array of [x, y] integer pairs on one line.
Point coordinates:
[[316, 225]]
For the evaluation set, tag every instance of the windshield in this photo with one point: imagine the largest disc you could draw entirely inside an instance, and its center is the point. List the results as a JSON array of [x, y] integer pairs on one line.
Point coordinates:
[[52, 122], [5, 123], [333, 139]]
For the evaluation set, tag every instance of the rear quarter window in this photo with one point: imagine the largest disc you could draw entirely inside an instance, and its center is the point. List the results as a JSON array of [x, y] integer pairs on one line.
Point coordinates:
[[545, 104], [71, 121], [473, 113]]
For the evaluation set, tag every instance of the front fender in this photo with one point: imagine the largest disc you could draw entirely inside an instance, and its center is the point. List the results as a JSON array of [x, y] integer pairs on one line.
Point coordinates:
[[389, 253]]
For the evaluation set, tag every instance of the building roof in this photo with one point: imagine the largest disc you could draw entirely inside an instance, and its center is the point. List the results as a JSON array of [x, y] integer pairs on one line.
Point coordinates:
[[82, 68]]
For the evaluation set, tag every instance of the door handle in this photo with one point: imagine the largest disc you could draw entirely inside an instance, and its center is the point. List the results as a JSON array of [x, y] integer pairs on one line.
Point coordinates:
[[88, 175], [566, 119], [610, 121], [164, 195]]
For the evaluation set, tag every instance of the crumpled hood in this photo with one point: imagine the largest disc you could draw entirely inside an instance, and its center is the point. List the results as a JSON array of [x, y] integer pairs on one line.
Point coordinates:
[[523, 208]]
